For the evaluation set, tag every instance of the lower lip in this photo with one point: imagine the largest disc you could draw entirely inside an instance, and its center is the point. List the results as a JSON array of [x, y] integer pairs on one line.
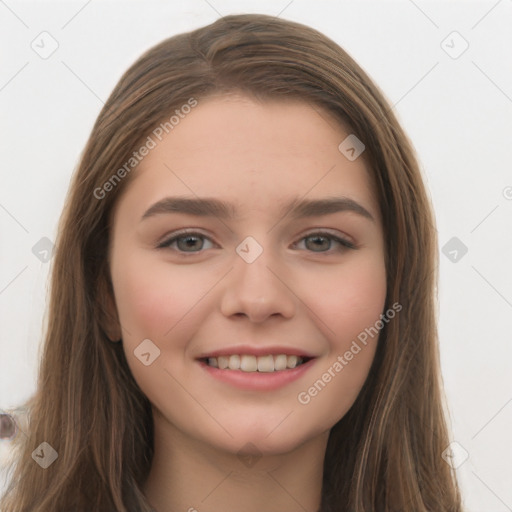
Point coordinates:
[[258, 381]]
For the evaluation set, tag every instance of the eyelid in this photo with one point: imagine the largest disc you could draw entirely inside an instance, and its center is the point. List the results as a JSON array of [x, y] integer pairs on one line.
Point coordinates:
[[331, 233], [345, 241], [166, 240]]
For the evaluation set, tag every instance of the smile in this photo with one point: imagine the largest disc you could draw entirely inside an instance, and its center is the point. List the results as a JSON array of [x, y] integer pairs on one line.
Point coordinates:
[[256, 373], [250, 363]]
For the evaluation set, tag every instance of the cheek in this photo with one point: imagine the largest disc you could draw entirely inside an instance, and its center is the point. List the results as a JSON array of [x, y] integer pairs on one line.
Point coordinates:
[[349, 298], [152, 297], [350, 304], [155, 303]]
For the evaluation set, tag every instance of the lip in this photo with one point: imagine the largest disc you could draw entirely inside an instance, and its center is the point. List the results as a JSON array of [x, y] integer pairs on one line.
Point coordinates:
[[258, 381], [257, 351]]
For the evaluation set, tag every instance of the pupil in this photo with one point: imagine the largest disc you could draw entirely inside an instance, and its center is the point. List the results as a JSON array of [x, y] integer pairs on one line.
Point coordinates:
[[189, 242], [320, 238]]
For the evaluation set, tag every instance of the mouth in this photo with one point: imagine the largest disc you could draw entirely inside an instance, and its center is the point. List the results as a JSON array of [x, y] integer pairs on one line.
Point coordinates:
[[257, 368], [249, 363]]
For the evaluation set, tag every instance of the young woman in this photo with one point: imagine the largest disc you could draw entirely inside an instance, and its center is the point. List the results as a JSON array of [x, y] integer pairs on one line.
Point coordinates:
[[242, 311]]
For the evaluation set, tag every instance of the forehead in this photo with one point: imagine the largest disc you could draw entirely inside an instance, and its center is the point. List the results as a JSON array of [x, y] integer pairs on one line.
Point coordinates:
[[246, 127], [253, 153]]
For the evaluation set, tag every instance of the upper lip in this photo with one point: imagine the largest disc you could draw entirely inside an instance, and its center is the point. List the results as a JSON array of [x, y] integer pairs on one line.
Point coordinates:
[[256, 351]]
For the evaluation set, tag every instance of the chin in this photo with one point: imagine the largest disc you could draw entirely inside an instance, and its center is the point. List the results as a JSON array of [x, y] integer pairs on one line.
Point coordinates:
[[259, 442]]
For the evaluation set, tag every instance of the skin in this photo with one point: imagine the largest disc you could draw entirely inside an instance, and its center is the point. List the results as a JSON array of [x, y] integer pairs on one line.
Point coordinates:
[[300, 292]]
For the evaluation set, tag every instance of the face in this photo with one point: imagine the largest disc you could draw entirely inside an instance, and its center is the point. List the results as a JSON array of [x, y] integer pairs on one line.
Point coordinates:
[[257, 276]]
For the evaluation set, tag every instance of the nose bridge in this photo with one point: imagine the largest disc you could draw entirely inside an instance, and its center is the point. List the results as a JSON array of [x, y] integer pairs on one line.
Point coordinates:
[[254, 289], [252, 267]]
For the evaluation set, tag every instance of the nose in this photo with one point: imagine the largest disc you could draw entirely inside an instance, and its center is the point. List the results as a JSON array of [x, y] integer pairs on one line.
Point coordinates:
[[258, 290]]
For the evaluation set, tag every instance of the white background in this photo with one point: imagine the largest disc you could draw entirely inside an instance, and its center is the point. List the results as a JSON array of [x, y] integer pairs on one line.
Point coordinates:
[[457, 112]]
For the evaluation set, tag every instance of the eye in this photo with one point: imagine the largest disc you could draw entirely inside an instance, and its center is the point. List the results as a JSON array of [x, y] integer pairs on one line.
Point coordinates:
[[194, 242], [186, 242], [322, 240]]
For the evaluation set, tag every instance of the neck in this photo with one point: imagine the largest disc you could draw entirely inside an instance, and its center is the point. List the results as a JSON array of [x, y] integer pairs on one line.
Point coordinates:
[[190, 475]]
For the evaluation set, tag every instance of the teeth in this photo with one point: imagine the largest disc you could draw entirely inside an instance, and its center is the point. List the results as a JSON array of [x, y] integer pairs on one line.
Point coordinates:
[[266, 364], [280, 362], [249, 363], [223, 362], [291, 361], [234, 362]]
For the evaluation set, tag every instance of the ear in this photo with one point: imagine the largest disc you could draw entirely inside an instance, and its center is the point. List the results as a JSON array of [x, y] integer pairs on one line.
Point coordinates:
[[107, 309]]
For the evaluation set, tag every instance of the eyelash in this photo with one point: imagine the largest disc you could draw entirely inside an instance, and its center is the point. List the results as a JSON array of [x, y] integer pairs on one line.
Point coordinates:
[[344, 243]]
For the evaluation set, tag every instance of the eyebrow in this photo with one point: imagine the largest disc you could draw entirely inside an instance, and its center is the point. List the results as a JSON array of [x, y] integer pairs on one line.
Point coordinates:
[[297, 208]]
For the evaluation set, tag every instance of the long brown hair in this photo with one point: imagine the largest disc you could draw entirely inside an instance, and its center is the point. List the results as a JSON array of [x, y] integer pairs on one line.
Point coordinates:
[[385, 454]]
